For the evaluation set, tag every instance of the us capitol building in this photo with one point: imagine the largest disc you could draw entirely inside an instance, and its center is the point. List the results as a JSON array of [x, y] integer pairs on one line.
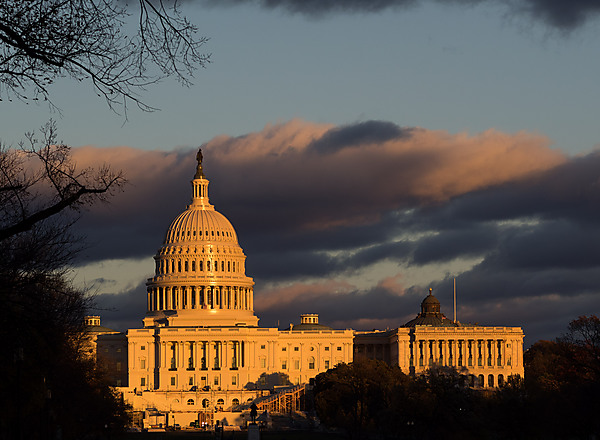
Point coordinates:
[[201, 354]]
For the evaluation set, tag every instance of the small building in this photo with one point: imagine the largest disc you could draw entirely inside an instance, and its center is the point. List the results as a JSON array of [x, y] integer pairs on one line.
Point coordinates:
[[486, 355]]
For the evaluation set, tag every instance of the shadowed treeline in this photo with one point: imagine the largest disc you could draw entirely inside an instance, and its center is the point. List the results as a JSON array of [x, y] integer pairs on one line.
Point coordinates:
[[557, 399]]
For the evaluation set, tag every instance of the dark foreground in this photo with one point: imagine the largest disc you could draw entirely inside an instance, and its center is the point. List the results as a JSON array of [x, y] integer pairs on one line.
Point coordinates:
[[228, 435]]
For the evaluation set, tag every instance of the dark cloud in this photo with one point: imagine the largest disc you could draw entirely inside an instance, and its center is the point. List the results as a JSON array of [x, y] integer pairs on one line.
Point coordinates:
[[526, 213], [560, 14], [121, 311], [355, 135]]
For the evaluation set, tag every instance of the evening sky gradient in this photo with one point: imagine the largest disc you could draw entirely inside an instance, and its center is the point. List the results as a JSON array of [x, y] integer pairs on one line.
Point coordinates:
[[364, 151]]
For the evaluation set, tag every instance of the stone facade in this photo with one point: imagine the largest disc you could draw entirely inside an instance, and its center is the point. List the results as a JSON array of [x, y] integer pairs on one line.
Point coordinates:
[[486, 355], [201, 355]]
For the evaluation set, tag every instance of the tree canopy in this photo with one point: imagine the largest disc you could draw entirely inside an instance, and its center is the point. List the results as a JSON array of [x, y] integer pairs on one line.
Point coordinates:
[[51, 386], [120, 47], [557, 399]]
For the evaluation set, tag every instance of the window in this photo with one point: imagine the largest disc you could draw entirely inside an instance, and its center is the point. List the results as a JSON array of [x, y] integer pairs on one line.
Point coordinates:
[[216, 381], [143, 347], [263, 362], [262, 347], [339, 348], [191, 382], [283, 348], [173, 381], [235, 402], [500, 380], [326, 348], [327, 364], [190, 401], [296, 348], [491, 381], [297, 364], [284, 365], [220, 402], [118, 350], [311, 363], [119, 366], [119, 382], [143, 382], [205, 403], [143, 364], [233, 380]]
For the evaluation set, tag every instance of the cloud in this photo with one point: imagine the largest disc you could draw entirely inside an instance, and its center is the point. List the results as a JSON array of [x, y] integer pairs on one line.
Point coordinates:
[[278, 180], [318, 205], [560, 14]]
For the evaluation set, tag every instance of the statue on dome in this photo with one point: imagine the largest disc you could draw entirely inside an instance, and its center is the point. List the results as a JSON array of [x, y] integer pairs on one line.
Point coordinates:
[[199, 172]]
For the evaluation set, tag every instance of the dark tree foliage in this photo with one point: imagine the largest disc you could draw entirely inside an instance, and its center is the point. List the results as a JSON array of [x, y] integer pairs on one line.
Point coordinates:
[[369, 399], [562, 378], [50, 384], [557, 399], [121, 47]]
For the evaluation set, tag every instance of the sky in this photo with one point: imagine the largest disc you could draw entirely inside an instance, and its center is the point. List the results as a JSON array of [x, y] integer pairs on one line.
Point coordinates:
[[364, 151]]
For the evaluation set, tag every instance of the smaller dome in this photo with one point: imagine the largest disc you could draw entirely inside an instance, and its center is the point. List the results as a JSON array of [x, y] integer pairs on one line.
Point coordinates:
[[431, 314]]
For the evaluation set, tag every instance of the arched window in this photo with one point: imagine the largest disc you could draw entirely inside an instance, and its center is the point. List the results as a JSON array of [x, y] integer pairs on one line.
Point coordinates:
[[220, 402], [222, 266], [480, 381], [190, 401], [193, 265], [491, 381], [205, 403], [179, 266], [500, 380], [186, 266], [235, 402], [311, 363]]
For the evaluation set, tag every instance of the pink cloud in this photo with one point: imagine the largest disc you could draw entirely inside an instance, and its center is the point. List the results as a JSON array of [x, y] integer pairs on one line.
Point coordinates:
[[276, 297]]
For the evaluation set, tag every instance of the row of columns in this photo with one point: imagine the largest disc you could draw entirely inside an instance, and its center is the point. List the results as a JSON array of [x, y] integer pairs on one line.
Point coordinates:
[[166, 266], [459, 352], [202, 355], [200, 297]]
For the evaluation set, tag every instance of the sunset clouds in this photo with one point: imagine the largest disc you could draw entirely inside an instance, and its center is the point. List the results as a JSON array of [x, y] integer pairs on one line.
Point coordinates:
[[355, 222]]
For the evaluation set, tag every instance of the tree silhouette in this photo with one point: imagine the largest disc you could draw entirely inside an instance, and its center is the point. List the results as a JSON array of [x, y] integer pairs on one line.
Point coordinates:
[[120, 47], [50, 384]]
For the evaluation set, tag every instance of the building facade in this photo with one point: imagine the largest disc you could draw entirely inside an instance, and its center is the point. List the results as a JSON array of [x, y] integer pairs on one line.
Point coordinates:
[[200, 348], [200, 354], [487, 356]]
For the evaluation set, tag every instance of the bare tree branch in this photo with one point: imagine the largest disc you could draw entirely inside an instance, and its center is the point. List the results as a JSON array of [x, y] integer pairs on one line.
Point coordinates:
[[31, 195], [95, 40]]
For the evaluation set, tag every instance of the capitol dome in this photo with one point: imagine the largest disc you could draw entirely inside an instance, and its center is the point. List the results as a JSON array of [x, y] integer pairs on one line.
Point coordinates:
[[200, 275]]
